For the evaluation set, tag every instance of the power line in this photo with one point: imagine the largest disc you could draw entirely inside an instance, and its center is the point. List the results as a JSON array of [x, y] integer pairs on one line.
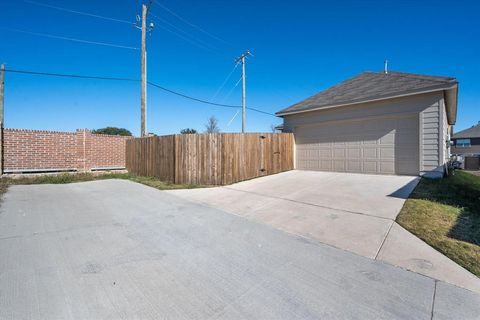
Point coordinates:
[[186, 39], [64, 75], [176, 15], [70, 75], [77, 12], [46, 35], [231, 90], [225, 81], [180, 30], [207, 102], [192, 98]]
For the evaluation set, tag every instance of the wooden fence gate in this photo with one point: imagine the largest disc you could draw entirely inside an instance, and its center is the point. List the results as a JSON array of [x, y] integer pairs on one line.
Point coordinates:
[[210, 159]]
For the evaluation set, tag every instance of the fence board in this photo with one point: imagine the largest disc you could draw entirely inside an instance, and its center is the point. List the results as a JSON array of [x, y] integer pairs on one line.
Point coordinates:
[[210, 159]]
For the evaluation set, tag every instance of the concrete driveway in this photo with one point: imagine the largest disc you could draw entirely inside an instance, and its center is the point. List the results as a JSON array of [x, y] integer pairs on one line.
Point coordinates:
[[119, 250], [354, 212]]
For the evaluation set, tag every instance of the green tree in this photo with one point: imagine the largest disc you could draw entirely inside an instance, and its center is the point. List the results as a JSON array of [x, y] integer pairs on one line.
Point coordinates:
[[188, 131], [113, 131]]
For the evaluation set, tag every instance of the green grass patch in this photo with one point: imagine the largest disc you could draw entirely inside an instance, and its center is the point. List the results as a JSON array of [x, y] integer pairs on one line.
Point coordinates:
[[82, 177], [445, 213]]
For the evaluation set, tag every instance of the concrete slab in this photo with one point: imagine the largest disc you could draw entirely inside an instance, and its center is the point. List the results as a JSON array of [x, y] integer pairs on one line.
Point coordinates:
[[403, 249], [353, 212], [357, 233], [376, 195], [328, 226], [148, 254], [454, 303]]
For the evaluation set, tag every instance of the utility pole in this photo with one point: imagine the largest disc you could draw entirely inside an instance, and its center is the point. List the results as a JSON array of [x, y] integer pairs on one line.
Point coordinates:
[[2, 99], [143, 98], [241, 60], [2, 92]]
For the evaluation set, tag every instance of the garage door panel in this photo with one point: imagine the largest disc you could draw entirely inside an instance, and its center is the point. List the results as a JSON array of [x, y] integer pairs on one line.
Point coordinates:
[[388, 139], [339, 153], [354, 166], [339, 165], [370, 153], [354, 153], [387, 153], [326, 165], [370, 166], [387, 167], [388, 146]]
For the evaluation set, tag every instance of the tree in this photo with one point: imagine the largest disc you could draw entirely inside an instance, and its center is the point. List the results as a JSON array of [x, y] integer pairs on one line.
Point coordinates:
[[188, 131], [212, 125], [113, 131], [273, 128]]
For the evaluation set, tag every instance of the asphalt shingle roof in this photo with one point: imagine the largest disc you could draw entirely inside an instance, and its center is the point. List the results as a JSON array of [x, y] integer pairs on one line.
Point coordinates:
[[371, 86], [473, 132]]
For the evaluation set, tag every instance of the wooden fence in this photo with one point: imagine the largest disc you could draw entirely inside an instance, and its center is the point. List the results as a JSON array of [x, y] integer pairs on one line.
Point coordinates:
[[210, 159]]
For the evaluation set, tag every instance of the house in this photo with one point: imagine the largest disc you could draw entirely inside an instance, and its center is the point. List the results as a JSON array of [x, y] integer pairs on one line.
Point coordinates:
[[376, 122], [467, 142]]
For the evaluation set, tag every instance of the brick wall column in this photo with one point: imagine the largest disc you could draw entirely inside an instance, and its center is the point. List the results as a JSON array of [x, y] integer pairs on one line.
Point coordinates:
[[83, 147]]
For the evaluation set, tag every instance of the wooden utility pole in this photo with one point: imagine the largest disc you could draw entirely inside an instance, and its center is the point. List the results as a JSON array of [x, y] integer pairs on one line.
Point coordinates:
[[2, 100], [143, 63], [241, 60], [143, 99]]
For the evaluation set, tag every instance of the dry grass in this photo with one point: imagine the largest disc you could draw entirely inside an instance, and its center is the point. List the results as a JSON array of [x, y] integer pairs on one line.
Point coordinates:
[[82, 177], [446, 214]]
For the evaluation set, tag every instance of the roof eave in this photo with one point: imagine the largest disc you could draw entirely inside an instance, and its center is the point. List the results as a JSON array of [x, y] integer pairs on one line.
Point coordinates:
[[451, 101], [454, 86]]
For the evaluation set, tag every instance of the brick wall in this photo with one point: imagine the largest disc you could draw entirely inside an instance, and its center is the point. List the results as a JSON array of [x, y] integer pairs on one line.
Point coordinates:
[[34, 150]]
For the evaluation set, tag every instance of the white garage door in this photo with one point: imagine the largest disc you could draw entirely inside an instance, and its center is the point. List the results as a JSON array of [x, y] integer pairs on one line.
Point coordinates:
[[380, 145]]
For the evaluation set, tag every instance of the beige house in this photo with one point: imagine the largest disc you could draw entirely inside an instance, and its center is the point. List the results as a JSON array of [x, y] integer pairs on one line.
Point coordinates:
[[377, 123], [467, 142]]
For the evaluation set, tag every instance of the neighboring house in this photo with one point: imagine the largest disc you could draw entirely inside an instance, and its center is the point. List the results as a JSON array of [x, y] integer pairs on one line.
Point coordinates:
[[467, 142], [383, 123]]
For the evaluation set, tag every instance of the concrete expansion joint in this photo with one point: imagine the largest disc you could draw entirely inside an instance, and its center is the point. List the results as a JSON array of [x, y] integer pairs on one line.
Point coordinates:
[[433, 298], [384, 239]]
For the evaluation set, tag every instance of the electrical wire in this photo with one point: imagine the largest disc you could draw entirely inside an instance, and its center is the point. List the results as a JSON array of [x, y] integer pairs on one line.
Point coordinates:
[[231, 90], [132, 80], [176, 15], [224, 82], [76, 12], [70, 75], [181, 31], [46, 35], [185, 38], [192, 98], [207, 102]]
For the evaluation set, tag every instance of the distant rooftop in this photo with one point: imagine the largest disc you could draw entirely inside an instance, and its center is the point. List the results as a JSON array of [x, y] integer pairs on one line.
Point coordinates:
[[473, 132], [370, 86]]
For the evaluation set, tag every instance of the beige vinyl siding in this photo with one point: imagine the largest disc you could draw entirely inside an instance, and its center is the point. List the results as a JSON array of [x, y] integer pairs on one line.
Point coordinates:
[[430, 137], [446, 133], [434, 131]]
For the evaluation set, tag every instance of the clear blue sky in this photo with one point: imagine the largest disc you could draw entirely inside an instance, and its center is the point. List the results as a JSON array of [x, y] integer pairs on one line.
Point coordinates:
[[300, 47]]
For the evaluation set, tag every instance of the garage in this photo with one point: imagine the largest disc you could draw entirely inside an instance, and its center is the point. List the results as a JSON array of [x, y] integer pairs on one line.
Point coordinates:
[[376, 123], [379, 146]]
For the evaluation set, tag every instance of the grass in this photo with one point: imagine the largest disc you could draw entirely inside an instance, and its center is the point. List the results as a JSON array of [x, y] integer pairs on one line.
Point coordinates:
[[445, 213], [82, 177]]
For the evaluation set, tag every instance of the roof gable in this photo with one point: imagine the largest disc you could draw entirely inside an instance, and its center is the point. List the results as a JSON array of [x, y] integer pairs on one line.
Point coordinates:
[[370, 86]]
